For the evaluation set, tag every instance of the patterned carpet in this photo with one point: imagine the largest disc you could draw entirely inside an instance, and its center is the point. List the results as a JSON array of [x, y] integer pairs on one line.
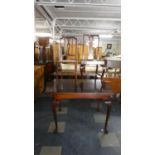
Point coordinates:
[[79, 129]]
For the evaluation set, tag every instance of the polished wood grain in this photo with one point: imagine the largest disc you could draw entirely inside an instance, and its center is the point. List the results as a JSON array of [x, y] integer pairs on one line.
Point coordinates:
[[43, 41], [38, 80], [114, 82], [80, 89], [81, 95]]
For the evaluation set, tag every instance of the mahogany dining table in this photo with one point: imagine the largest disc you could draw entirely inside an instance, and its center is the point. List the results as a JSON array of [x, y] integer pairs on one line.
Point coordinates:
[[70, 89]]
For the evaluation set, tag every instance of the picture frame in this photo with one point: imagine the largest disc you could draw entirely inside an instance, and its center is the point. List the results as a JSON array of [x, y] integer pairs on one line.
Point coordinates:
[[109, 46]]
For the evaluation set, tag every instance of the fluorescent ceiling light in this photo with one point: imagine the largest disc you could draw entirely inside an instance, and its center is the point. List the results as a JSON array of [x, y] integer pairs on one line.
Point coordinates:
[[106, 36], [39, 34], [51, 40]]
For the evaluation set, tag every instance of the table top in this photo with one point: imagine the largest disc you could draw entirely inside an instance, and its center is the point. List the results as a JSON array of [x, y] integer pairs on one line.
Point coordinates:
[[78, 86]]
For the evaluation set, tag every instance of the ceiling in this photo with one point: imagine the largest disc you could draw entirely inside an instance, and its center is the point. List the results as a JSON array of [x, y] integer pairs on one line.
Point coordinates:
[[59, 18]]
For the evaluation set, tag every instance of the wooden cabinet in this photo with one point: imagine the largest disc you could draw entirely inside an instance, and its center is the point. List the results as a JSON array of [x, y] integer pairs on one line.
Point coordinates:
[[38, 80], [43, 55], [49, 66]]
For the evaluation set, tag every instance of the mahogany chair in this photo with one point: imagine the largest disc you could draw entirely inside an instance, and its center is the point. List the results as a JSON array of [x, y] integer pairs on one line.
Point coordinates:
[[111, 76]]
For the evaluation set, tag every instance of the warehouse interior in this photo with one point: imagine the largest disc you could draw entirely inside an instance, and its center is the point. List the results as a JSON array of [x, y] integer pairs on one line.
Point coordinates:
[[77, 41]]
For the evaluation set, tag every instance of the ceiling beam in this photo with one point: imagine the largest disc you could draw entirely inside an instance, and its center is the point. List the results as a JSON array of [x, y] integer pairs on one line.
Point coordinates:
[[81, 34], [90, 18], [50, 12], [73, 4], [86, 23], [88, 11], [43, 13], [86, 27], [56, 28]]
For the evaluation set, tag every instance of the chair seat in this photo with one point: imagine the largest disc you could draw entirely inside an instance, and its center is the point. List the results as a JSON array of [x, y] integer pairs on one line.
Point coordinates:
[[92, 69], [69, 67]]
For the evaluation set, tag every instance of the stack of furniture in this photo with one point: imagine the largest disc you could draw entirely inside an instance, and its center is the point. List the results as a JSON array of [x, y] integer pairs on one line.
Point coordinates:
[[43, 65], [92, 63], [112, 75], [44, 56], [68, 58]]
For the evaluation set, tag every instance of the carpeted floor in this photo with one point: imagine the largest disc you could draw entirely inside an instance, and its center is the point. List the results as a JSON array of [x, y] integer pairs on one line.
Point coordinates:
[[79, 129]]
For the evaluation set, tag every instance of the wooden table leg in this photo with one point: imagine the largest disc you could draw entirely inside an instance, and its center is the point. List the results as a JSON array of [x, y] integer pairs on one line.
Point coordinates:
[[82, 69], [81, 72], [60, 107], [109, 106], [75, 71], [96, 72], [54, 106], [98, 106]]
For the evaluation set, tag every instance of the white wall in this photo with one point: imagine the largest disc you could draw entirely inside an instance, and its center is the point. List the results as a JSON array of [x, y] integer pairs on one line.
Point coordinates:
[[116, 46]]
